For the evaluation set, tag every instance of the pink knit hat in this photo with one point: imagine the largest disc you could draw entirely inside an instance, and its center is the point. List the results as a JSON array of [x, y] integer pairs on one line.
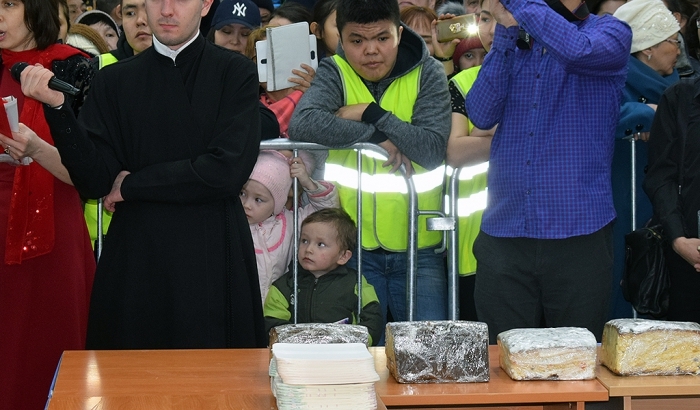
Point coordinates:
[[272, 170]]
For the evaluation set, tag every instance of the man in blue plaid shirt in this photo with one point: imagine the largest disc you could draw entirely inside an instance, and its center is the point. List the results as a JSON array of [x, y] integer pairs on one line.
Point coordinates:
[[552, 81]]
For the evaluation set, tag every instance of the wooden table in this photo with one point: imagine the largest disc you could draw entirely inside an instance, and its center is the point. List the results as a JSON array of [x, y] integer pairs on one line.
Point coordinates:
[[500, 390], [237, 379], [652, 392], [163, 379]]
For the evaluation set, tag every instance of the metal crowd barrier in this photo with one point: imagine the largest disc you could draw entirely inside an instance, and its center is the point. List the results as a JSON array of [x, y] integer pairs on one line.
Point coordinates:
[[443, 222]]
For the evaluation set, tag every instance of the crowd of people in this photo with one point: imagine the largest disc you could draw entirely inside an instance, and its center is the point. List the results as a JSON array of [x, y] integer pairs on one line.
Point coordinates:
[[537, 108]]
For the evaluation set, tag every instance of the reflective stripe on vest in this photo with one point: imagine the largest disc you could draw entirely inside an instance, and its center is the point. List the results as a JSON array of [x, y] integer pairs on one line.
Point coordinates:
[[385, 207], [472, 190]]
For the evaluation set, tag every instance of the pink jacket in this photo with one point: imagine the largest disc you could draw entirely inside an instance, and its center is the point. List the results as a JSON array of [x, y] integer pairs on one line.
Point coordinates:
[[273, 237]]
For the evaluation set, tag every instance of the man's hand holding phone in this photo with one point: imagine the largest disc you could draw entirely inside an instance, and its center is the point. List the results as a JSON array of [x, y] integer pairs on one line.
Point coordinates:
[[449, 27]]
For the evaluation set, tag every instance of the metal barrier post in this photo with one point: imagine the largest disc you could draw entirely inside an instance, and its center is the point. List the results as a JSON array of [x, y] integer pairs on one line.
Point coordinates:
[[453, 251], [633, 190], [295, 245], [359, 233], [412, 250], [633, 181]]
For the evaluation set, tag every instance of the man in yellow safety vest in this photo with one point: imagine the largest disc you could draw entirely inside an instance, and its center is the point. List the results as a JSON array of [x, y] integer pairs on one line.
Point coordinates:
[[383, 87]]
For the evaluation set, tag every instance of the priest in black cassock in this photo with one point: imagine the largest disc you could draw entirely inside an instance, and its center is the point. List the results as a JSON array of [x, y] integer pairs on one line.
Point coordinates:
[[168, 137]]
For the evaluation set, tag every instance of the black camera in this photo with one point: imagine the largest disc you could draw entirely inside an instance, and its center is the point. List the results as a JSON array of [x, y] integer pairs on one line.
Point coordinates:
[[524, 41]]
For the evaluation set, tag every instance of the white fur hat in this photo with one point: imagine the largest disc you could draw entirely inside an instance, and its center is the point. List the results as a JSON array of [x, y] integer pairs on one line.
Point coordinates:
[[650, 20]]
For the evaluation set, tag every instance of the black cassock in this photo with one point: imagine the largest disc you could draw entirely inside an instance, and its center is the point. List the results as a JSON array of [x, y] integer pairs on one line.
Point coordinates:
[[178, 266]]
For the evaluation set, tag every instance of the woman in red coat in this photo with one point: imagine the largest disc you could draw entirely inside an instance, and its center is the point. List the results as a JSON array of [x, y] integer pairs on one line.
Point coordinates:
[[46, 262]]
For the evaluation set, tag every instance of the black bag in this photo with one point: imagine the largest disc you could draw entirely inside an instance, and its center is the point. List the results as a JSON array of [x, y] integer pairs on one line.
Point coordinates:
[[645, 280]]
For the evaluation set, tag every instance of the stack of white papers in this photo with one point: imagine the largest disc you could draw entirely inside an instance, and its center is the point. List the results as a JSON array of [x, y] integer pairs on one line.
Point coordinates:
[[323, 376]]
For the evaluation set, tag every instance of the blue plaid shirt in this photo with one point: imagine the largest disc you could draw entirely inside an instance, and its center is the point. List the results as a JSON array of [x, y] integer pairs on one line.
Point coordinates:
[[557, 106]]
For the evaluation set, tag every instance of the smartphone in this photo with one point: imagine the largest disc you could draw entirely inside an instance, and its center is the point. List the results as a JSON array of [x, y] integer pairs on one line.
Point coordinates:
[[457, 27]]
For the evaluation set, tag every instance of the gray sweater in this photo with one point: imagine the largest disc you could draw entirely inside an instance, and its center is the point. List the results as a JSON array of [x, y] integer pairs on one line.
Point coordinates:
[[424, 140]]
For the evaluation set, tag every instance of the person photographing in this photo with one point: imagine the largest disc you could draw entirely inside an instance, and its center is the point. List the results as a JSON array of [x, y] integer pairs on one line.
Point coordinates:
[[544, 253]]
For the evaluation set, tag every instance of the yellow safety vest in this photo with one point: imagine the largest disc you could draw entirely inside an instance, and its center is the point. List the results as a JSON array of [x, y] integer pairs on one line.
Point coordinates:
[[472, 191], [106, 59], [90, 211], [384, 199]]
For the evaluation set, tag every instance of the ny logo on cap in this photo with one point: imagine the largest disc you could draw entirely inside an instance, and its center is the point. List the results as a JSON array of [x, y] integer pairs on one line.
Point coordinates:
[[239, 9]]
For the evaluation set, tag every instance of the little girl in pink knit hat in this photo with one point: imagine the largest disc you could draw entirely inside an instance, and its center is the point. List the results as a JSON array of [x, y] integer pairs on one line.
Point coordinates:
[[271, 224]]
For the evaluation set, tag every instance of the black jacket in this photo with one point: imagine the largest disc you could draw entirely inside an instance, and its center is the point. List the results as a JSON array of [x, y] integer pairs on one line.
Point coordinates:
[[328, 299], [677, 212], [178, 269]]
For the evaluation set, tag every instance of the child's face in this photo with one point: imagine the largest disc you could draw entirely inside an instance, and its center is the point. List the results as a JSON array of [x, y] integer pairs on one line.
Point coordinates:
[[257, 202], [319, 250]]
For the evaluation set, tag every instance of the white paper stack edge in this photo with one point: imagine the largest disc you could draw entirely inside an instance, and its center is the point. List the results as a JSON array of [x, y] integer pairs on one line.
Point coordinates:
[[323, 376]]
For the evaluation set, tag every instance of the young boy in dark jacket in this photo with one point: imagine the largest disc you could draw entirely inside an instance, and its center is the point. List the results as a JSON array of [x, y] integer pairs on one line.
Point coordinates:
[[327, 290]]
